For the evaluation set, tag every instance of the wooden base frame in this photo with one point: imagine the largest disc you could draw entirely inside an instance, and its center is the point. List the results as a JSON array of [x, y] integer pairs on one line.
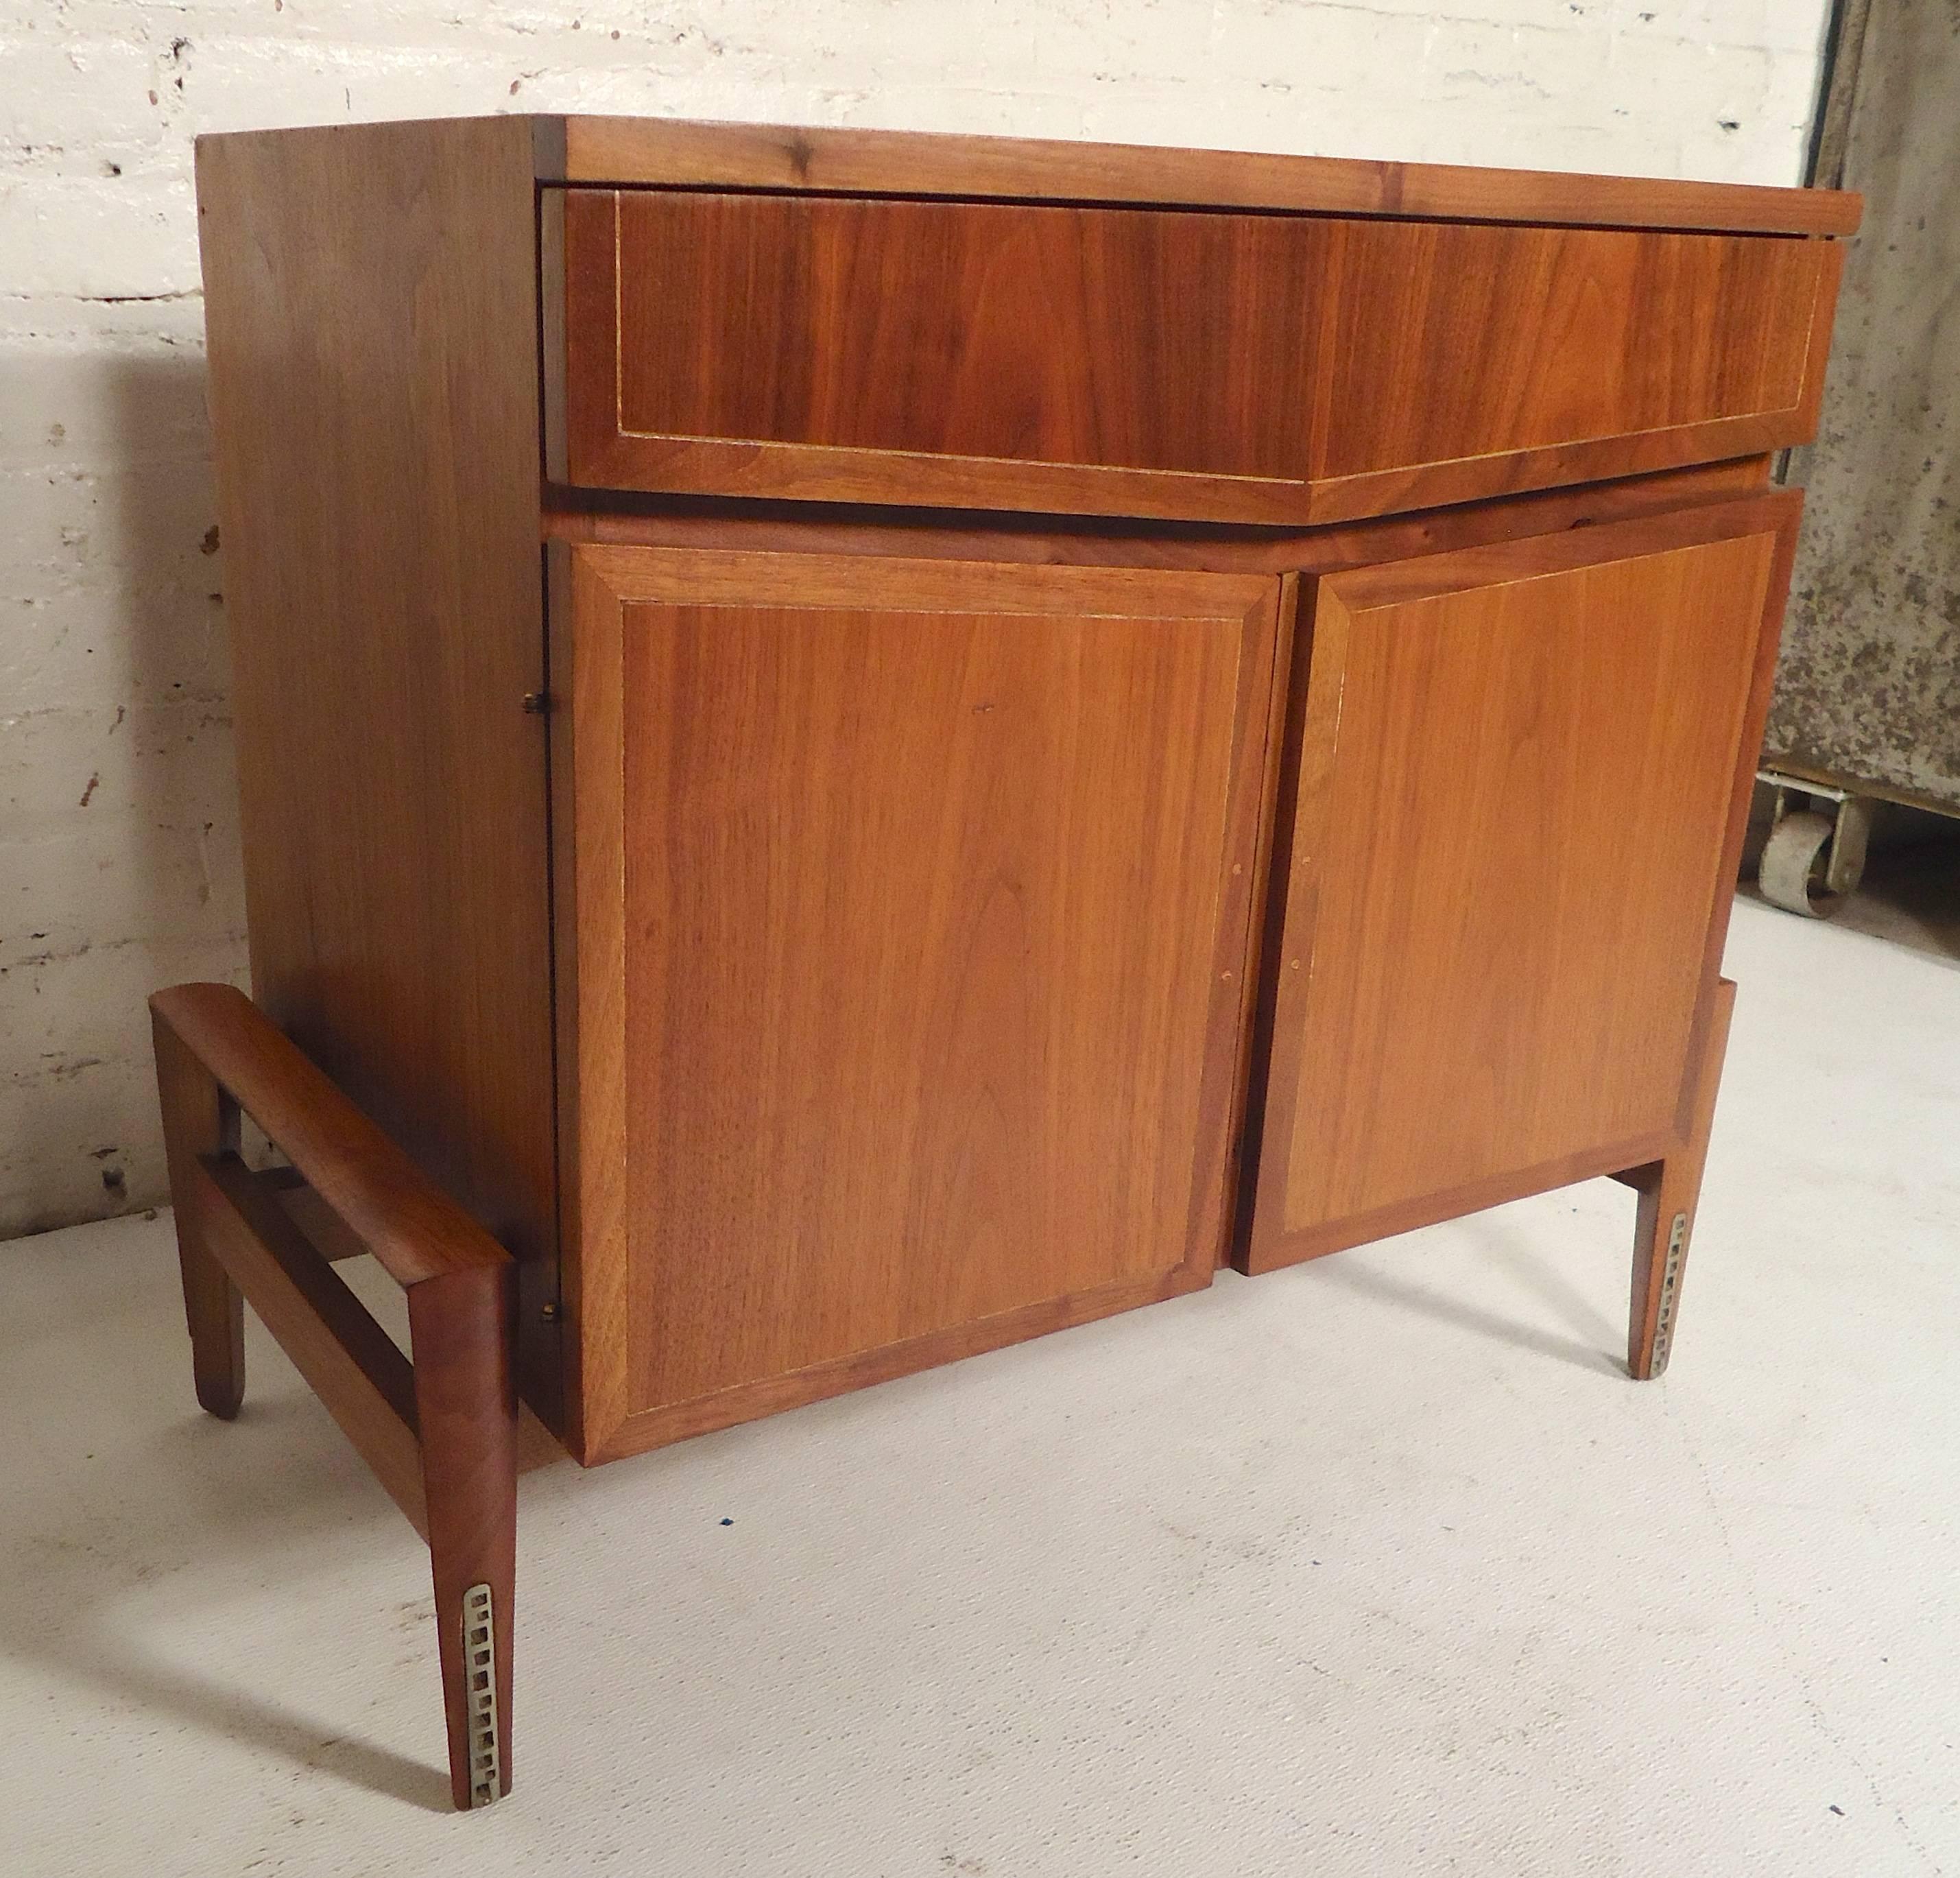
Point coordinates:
[[439, 1427]]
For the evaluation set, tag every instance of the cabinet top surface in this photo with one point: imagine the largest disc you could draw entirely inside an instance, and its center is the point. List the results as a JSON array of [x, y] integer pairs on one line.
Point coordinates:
[[676, 154]]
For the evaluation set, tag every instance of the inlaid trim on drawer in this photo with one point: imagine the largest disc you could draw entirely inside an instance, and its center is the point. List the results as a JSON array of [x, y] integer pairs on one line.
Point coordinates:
[[1263, 368]]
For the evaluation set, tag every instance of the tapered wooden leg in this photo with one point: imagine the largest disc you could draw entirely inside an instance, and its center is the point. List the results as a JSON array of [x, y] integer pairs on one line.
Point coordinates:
[[1668, 1191], [200, 1119], [466, 1406]]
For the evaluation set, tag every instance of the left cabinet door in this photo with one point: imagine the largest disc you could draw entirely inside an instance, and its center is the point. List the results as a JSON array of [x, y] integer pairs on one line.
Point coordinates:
[[904, 915]]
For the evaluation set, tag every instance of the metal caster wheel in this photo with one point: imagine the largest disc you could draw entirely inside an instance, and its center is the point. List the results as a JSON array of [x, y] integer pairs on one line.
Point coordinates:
[[1793, 861], [1813, 861]]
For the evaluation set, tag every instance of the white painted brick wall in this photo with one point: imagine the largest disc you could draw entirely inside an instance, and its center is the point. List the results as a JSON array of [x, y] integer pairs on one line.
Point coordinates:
[[119, 868]]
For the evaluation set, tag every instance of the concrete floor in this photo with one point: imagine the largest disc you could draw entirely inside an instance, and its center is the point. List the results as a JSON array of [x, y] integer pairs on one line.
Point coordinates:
[[1377, 1567]]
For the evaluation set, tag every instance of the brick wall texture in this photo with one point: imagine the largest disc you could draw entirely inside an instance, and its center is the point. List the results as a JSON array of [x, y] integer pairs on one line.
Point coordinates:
[[119, 863]]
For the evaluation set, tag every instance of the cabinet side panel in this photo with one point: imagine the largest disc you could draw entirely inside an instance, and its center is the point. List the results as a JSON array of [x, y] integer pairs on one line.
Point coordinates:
[[371, 306]]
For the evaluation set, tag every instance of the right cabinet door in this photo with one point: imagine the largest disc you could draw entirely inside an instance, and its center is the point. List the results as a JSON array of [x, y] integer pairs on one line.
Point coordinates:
[[1515, 787]]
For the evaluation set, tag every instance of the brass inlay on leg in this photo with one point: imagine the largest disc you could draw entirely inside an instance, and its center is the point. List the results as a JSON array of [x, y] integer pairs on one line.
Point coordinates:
[[479, 1670], [1670, 1291]]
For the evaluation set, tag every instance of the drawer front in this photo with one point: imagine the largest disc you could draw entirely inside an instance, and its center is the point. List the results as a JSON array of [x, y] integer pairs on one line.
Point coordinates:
[[1262, 368]]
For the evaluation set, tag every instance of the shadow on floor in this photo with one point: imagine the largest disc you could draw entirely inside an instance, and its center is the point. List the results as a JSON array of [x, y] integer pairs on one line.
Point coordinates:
[[1590, 1349], [108, 1521]]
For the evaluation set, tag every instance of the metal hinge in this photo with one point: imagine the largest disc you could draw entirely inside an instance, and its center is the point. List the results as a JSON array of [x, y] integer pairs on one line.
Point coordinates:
[[479, 1673], [1670, 1291], [538, 703]]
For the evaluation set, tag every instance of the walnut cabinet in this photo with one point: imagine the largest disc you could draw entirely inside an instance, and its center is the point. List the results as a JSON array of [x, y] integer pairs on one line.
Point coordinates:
[[856, 746]]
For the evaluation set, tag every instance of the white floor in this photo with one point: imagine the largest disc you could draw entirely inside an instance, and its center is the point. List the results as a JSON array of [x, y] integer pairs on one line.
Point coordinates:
[[1377, 1567]]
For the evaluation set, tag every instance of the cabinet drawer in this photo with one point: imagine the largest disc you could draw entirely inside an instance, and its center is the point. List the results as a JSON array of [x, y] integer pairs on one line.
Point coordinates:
[[1286, 369]]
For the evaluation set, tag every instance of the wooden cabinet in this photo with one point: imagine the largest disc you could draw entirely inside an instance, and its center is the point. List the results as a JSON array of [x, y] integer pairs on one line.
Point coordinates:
[[864, 746]]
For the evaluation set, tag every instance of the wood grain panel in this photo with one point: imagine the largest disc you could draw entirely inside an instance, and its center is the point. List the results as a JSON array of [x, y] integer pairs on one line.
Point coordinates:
[[933, 926], [852, 162], [984, 354], [370, 302], [1512, 772], [1445, 347], [1265, 369]]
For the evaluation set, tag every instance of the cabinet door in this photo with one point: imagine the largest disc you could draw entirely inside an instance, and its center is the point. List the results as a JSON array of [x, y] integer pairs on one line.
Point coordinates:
[[1514, 791], [907, 927]]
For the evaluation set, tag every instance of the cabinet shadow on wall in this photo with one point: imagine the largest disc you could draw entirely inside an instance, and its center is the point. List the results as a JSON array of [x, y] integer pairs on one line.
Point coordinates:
[[130, 875], [171, 614]]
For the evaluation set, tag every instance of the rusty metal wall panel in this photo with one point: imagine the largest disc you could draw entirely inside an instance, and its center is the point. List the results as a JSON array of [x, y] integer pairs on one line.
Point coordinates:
[[1869, 688]]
